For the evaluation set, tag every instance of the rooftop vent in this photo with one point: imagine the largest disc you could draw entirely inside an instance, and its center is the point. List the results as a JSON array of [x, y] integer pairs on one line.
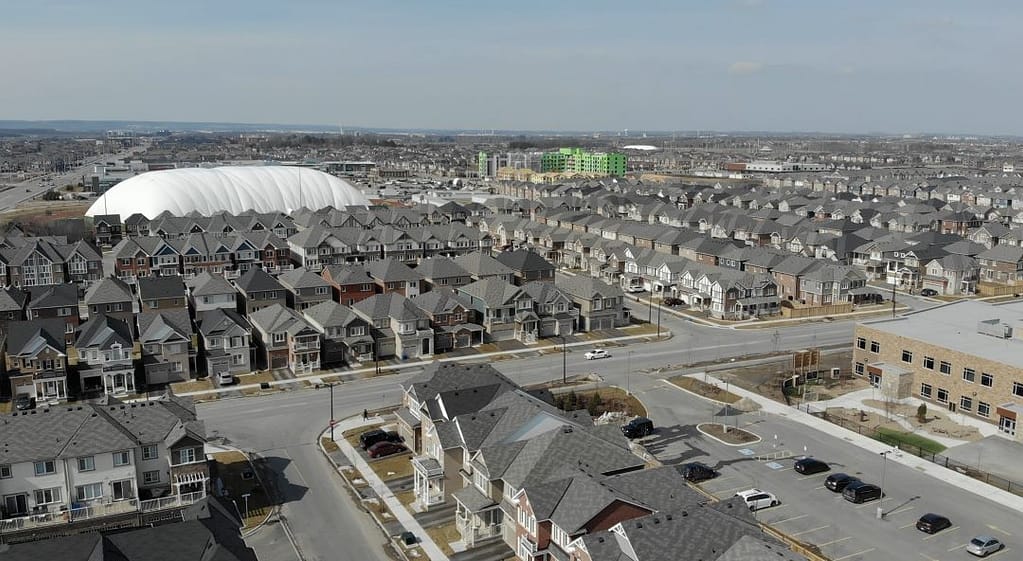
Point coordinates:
[[994, 328]]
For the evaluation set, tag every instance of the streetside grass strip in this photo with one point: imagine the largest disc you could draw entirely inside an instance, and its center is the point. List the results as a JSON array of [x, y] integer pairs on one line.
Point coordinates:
[[699, 387], [894, 437]]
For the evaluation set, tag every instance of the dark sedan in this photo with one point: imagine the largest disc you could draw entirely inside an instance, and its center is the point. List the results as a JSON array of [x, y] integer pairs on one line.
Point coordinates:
[[382, 449], [810, 466], [837, 482], [931, 523], [696, 472]]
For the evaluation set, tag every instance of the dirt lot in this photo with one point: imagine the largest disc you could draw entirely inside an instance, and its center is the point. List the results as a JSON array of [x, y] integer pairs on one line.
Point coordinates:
[[766, 379], [731, 435], [699, 387], [939, 423], [611, 399]]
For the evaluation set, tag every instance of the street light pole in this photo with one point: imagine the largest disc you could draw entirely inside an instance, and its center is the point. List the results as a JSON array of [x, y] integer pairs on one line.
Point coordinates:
[[331, 386], [658, 320], [564, 361], [884, 468], [628, 373]]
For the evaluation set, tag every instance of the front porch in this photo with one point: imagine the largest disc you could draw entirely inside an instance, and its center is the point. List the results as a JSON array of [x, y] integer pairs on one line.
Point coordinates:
[[428, 482], [477, 516], [50, 387], [109, 380]]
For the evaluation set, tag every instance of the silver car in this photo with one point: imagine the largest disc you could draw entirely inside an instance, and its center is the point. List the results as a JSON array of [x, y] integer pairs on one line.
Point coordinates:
[[982, 546]]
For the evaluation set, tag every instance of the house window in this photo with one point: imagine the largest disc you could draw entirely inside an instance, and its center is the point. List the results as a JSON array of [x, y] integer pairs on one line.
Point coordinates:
[[151, 477], [1017, 389], [150, 452], [966, 403], [969, 374], [559, 536], [945, 368], [89, 492], [47, 496], [154, 304], [86, 463], [875, 347], [321, 290], [5, 471], [279, 337], [907, 356], [987, 380], [185, 456], [122, 458], [983, 409], [124, 489], [929, 362], [45, 467], [942, 395], [925, 390], [859, 368]]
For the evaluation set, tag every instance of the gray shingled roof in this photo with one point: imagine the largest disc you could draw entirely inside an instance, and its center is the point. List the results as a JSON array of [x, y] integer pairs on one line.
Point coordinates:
[[493, 292], [102, 332], [584, 287], [301, 278], [107, 291], [524, 260], [391, 270], [440, 267], [257, 280], [481, 265], [208, 284], [161, 287]]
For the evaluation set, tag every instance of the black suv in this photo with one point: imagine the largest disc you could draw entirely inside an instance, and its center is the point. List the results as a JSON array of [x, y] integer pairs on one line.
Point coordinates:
[[638, 427], [860, 492], [371, 437], [696, 472], [809, 466], [837, 482]]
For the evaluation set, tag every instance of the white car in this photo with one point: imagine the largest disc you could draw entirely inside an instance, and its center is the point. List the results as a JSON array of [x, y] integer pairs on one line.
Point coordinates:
[[225, 378], [635, 289], [596, 353], [756, 499]]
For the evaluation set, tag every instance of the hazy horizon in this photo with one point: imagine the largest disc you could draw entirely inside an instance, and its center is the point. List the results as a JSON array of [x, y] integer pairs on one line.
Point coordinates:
[[737, 66]]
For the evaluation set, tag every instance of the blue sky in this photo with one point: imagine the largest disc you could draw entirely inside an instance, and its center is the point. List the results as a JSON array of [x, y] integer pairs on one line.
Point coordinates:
[[767, 65]]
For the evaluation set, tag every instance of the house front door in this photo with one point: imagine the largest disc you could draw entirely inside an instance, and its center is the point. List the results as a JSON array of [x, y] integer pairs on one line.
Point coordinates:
[[1007, 425], [426, 347], [16, 504]]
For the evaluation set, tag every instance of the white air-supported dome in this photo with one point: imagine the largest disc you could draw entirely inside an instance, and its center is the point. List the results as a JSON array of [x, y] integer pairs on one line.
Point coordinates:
[[231, 189]]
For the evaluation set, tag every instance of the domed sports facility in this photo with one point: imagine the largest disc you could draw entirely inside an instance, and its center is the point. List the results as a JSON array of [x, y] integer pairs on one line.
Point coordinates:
[[231, 189]]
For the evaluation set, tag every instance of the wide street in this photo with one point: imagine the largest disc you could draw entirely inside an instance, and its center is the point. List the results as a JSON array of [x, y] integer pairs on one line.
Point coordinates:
[[25, 190], [283, 428]]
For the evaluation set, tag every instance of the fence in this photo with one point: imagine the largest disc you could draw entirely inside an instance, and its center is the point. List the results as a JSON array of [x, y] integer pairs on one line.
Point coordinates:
[[1013, 487], [814, 311], [992, 289]]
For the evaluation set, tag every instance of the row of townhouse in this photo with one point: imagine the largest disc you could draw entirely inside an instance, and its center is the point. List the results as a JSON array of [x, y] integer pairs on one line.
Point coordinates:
[[27, 261], [551, 484], [71, 465]]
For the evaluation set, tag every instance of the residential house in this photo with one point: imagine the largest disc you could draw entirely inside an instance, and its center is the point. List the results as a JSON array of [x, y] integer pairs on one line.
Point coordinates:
[[392, 276], [258, 291], [168, 346], [828, 284], [108, 229], [442, 272], [395, 316], [13, 302], [162, 293], [558, 316], [112, 297], [952, 275], [83, 263], [210, 291], [350, 283], [600, 306], [36, 359], [346, 337], [505, 310], [285, 340], [225, 338], [527, 266], [1002, 264], [304, 288], [104, 355], [56, 301], [452, 319], [482, 266]]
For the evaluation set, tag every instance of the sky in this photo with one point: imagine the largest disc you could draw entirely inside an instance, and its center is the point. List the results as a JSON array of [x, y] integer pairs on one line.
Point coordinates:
[[860, 66]]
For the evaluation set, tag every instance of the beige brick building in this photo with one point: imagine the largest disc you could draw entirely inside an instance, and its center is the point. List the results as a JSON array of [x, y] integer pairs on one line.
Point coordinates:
[[965, 357]]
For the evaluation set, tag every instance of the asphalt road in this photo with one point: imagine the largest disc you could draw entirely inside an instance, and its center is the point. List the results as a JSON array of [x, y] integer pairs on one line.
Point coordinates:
[[26, 190]]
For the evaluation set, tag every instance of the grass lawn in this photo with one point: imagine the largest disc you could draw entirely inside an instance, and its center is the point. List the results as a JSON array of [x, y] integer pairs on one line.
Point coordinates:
[[6, 406], [230, 468], [443, 535], [406, 497], [255, 378], [192, 386], [329, 445], [891, 436], [700, 387], [352, 436], [392, 467]]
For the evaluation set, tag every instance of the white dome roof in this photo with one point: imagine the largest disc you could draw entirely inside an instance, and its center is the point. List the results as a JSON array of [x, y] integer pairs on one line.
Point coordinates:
[[232, 189]]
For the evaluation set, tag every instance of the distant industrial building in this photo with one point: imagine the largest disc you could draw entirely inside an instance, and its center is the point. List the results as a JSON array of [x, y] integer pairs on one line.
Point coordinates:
[[772, 166], [565, 160]]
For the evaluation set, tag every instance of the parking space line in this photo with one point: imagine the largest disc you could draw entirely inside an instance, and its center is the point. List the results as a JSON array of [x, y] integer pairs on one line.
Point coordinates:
[[733, 490], [928, 557], [960, 546], [814, 476], [850, 556], [910, 525], [942, 533], [819, 487], [997, 529], [790, 519], [899, 510], [999, 552], [833, 542], [865, 505], [810, 530]]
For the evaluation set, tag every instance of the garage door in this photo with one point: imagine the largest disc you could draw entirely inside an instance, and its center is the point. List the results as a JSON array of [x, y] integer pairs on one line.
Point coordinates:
[[279, 362]]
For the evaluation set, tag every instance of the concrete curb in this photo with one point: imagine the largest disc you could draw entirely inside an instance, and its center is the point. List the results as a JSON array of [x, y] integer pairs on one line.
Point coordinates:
[[936, 471]]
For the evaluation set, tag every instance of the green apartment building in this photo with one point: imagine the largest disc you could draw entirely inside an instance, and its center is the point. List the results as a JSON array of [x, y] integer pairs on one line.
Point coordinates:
[[580, 161]]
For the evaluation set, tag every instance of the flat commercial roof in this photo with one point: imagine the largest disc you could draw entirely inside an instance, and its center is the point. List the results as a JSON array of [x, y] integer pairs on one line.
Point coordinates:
[[954, 326]]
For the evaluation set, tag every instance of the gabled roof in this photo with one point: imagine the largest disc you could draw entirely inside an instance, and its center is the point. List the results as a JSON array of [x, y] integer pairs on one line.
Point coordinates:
[[216, 321], [300, 277], [53, 296], [493, 291], [391, 270], [208, 284], [440, 267], [389, 305], [586, 287], [348, 274], [171, 286], [107, 291], [330, 314], [102, 332], [163, 325], [524, 260], [12, 299], [26, 338], [440, 301], [481, 265], [277, 318], [257, 280]]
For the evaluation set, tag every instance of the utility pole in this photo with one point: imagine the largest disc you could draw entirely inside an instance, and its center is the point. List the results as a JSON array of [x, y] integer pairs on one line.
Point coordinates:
[[564, 361], [658, 320], [893, 299], [884, 467], [331, 386], [628, 373]]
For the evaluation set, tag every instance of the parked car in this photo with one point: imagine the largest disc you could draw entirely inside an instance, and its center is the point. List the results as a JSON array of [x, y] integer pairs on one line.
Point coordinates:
[[931, 523], [982, 546], [860, 492], [596, 353], [810, 466], [638, 427], [756, 499], [837, 482], [225, 378], [371, 437], [24, 402], [696, 472], [385, 448], [928, 292], [634, 289]]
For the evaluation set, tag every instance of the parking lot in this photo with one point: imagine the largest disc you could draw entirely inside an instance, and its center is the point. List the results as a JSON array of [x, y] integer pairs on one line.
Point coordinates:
[[843, 531]]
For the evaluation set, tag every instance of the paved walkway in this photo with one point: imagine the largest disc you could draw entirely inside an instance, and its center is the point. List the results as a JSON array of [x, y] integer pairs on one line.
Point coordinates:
[[946, 475], [316, 376], [401, 514]]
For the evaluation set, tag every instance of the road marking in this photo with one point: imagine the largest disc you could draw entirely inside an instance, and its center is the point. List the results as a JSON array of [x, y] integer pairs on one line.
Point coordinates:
[[899, 510], [855, 554], [941, 533], [818, 487], [864, 505], [960, 546], [833, 542], [997, 529], [928, 557], [910, 525], [810, 530], [814, 476], [732, 491], [790, 519]]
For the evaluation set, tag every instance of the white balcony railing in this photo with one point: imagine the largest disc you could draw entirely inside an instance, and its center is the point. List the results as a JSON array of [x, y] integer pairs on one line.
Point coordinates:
[[96, 510]]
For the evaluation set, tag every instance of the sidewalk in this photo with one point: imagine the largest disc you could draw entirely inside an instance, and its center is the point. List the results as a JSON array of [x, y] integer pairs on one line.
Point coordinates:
[[401, 514], [948, 476], [316, 376]]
